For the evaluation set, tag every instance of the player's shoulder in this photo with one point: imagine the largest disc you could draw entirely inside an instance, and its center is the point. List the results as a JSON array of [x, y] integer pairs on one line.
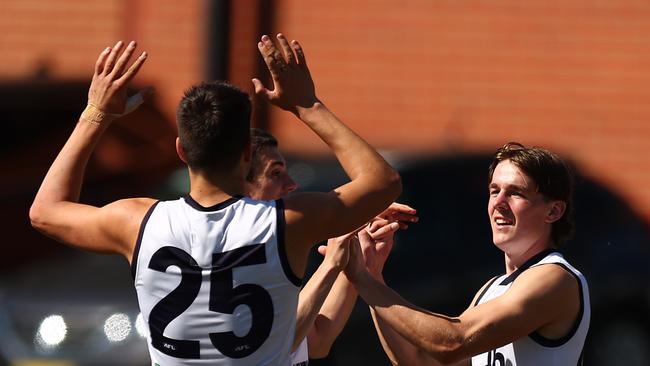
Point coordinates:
[[131, 209], [547, 279], [139, 203]]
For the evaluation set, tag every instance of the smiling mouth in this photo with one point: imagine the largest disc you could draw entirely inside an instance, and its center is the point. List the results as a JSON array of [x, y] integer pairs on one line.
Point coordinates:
[[503, 222]]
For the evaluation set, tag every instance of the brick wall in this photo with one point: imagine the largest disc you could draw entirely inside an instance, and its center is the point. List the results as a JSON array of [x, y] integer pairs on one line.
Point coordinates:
[[425, 76], [414, 76], [62, 39]]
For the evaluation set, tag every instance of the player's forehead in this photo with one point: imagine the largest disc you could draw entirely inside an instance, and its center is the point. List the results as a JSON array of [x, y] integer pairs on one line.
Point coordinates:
[[270, 156], [508, 175]]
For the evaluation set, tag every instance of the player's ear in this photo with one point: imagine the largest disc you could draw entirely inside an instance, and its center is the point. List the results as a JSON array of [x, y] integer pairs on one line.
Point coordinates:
[[555, 211], [179, 150]]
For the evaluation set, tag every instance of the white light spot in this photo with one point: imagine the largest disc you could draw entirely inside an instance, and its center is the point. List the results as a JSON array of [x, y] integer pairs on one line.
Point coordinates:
[[140, 326], [52, 331], [117, 327]]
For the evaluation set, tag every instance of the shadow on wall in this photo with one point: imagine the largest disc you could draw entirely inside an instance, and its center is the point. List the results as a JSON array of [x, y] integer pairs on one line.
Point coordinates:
[[38, 116], [442, 261], [58, 303]]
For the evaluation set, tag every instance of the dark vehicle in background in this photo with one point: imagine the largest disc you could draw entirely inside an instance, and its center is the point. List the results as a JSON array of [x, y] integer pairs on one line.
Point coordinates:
[[440, 262]]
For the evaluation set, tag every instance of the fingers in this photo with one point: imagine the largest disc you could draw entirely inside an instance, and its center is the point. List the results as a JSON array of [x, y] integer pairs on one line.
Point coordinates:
[[300, 55], [384, 231], [110, 61], [401, 213], [365, 239], [342, 240], [286, 49], [257, 84], [272, 57], [322, 249], [133, 70], [355, 252], [99, 65], [376, 224], [400, 207], [402, 217], [366, 243], [123, 59]]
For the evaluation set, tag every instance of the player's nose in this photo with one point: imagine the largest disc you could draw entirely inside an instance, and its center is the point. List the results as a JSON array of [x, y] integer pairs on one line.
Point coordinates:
[[290, 185]]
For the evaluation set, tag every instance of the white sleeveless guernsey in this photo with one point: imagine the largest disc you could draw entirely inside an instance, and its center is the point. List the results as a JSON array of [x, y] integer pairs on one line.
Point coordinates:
[[300, 357], [214, 285], [535, 350]]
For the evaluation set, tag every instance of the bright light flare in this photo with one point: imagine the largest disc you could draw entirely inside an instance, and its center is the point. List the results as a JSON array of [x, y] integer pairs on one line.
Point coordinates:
[[117, 327], [52, 331]]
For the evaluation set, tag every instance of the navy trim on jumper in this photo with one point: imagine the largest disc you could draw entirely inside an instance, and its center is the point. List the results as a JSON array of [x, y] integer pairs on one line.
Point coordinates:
[[485, 289], [546, 342], [282, 248], [536, 258], [136, 250], [219, 206]]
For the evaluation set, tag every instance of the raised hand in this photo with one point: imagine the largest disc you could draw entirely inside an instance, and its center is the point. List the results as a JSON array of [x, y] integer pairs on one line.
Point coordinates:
[[376, 250], [337, 251], [111, 77], [377, 239], [400, 213], [293, 87], [356, 266]]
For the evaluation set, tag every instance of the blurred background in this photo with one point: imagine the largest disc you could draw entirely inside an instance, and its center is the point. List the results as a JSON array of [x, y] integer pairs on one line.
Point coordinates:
[[436, 86]]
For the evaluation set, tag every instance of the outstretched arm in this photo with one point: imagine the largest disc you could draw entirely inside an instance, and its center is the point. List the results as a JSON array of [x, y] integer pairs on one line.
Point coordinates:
[[375, 253], [338, 305], [55, 210], [398, 349], [319, 285], [540, 296], [332, 317], [312, 217]]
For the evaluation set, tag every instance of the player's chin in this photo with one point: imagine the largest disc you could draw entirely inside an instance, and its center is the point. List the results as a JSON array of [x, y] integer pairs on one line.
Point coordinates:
[[500, 239]]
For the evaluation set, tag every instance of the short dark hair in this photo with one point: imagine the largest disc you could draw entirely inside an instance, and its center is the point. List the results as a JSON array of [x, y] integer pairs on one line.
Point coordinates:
[[553, 177], [213, 125], [260, 139]]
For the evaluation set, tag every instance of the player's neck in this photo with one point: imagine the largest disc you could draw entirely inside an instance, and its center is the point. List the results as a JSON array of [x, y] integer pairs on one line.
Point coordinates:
[[516, 260], [210, 189]]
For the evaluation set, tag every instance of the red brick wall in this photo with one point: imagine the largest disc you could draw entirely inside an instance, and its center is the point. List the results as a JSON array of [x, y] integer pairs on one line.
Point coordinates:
[[425, 76], [66, 37], [414, 76]]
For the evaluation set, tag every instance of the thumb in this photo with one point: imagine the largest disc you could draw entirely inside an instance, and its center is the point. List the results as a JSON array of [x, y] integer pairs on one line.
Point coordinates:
[[365, 240], [259, 88], [322, 249]]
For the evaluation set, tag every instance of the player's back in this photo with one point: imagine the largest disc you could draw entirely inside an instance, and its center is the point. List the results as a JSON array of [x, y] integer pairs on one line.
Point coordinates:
[[214, 285]]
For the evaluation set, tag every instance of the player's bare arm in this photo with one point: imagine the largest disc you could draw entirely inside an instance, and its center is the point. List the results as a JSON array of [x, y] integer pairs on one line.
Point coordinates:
[[337, 307], [312, 217], [323, 307], [543, 298], [399, 350], [375, 252], [56, 210], [314, 293]]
